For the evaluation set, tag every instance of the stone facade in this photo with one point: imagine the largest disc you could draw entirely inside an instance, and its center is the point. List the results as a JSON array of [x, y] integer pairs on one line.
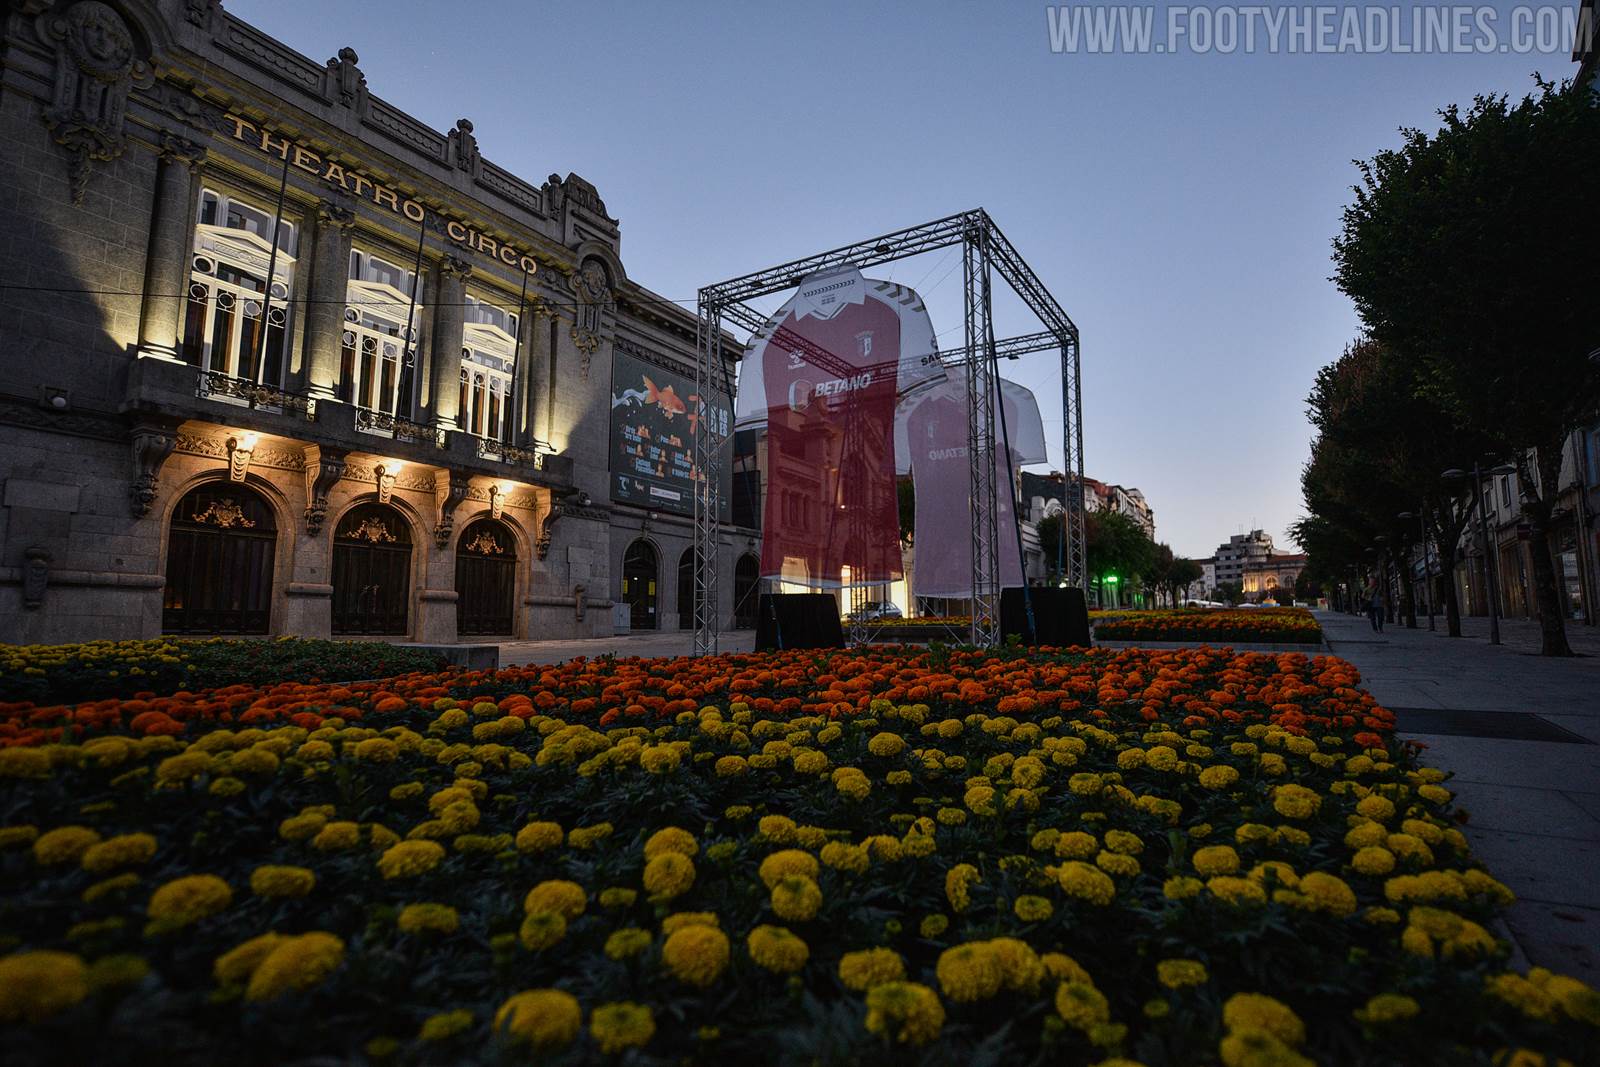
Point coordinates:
[[165, 328]]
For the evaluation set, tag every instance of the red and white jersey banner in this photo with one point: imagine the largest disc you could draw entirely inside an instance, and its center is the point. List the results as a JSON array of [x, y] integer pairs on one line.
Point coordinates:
[[825, 374], [932, 439]]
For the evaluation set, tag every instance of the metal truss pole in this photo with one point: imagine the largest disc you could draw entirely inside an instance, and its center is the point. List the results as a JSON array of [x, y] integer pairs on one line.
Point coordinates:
[[709, 435], [981, 390], [1072, 462]]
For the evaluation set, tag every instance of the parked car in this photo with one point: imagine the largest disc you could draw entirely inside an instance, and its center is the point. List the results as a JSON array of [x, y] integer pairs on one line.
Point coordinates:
[[874, 611]]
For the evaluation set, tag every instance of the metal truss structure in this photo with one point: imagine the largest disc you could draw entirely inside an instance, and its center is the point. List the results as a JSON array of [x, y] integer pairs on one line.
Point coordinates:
[[985, 252]]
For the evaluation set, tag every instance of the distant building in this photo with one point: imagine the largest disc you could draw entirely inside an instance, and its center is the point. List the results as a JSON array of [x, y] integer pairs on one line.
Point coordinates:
[[1265, 576], [1039, 491], [1232, 556]]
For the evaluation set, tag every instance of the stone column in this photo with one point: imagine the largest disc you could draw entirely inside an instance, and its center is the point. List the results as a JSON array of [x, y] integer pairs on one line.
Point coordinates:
[[166, 275], [449, 321], [330, 278], [530, 372]]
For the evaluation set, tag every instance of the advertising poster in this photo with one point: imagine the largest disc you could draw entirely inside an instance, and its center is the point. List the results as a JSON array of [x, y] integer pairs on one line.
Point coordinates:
[[654, 413]]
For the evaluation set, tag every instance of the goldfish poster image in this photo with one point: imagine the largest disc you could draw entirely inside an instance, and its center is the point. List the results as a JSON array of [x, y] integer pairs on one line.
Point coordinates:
[[654, 415]]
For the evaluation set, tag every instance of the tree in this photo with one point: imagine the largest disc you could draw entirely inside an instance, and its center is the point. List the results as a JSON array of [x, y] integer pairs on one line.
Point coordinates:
[[1157, 568], [1114, 546], [1230, 593], [1469, 254], [1183, 573], [1049, 531]]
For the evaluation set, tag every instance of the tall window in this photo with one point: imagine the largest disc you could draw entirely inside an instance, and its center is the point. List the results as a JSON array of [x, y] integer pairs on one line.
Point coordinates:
[[378, 360], [488, 355], [228, 306]]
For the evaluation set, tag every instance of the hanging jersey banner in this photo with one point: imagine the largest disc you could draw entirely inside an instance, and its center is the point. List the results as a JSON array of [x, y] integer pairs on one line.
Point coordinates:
[[824, 374], [932, 436]]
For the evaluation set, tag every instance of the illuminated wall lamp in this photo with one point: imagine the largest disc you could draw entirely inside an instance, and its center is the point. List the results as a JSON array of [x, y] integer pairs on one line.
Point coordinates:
[[240, 449]]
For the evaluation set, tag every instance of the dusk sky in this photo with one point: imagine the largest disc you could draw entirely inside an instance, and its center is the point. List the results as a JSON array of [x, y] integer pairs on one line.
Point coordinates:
[[1180, 207]]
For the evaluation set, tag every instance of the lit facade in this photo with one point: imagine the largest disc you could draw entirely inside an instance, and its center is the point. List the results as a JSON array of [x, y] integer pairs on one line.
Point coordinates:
[[383, 407]]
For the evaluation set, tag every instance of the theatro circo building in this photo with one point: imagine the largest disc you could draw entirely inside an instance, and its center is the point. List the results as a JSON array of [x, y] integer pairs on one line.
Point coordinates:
[[281, 359]]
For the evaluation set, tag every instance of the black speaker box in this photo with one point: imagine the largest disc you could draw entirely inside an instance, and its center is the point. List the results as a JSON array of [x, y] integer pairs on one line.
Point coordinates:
[[1060, 616], [798, 620]]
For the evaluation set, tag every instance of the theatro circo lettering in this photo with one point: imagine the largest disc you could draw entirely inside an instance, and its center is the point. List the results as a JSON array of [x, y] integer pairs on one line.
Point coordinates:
[[353, 181]]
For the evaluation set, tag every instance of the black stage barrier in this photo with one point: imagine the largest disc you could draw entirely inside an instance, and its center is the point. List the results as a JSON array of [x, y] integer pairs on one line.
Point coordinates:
[[798, 620], [1061, 616]]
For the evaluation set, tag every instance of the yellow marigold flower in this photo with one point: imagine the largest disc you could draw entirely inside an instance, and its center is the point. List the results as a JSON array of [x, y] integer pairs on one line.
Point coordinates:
[[860, 971], [235, 966], [969, 972], [1179, 973], [954, 816], [777, 949], [1258, 1048], [1076, 845], [315, 752], [295, 963], [1410, 848], [1081, 1005], [617, 897], [1236, 890], [779, 829], [851, 783], [337, 837], [539, 837], [1064, 968], [1118, 864], [1320, 891], [1295, 801], [24, 762], [846, 857], [1085, 784], [1086, 882], [933, 925], [114, 972], [669, 875], [1032, 909], [1434, 794], [184, 766], [886, 745], [979, 800], [445, 1025], [731, 766], [584, 837], [907, 1011], [796, 898], [189, 899], [542, 929], [1277, 870], [405, 791], [627, 942], [563, 897], [1373, 861], [1020, 966], [1387, 1008], [1220, 776], [810, 761], [958, 883], [541, 1017], [299, 827], [115, 884], [124, 850], [66, 844], [659, 759], [281, 881], [678, 920], [781, 865], [1257, 1011], [408, 859], [36, 985], [253, 761], [1215, 859], [696, 955], [1123, 842], [1376, 807], [1527, 997], [418, 919], [14, 836], [623, 1025], [670, 839]]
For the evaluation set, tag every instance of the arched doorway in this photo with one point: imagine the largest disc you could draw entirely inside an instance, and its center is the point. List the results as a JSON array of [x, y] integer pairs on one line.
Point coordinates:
[[486, 579], [746, 585], [371, 571], [640, 571], [687, 601], [220, 550]]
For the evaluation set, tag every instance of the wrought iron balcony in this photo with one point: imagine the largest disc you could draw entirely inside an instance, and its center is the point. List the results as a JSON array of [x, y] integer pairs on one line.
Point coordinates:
[[214, 385], [383, 424]]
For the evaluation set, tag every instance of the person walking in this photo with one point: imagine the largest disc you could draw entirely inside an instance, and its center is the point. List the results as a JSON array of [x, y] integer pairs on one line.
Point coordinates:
[[1375, 607]]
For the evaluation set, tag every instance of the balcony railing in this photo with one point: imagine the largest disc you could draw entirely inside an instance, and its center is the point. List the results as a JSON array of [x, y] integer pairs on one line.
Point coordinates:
[[215, 385], [383, 424], [515, 455]]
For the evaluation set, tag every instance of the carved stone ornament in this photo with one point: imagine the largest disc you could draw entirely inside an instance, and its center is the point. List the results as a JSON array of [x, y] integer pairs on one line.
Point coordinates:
[[345, 81], [448, 495], [580, 600], [497, 502], [96, 67], [198, 12], [464, 147], [239, 458], [185, 153], [35, 576], [151, 447], [592, 285], [547, 524], [484, 544], [335, 215], [225, 513], [323, 471], [385, 477]]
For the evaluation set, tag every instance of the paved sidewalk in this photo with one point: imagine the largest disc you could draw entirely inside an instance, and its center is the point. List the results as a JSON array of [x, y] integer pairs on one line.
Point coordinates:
[[1534, 804]]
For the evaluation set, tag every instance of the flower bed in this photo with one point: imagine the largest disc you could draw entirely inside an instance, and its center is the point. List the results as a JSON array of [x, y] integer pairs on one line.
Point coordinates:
[[54, 673], [1175, 857], [1257, 625]]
